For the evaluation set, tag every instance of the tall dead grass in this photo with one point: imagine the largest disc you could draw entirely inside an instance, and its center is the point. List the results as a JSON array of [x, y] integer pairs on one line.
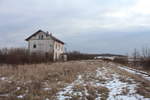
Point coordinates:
[[33, 79]]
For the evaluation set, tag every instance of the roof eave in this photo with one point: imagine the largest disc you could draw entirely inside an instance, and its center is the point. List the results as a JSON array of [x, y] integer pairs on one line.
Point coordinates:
[[27, 39]]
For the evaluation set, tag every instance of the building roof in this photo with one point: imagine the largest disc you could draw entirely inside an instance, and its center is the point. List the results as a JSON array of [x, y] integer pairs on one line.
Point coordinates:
[[54, 38]]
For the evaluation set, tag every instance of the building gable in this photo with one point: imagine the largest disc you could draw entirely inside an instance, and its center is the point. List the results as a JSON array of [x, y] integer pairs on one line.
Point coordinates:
[[43, 35], [44, 42]]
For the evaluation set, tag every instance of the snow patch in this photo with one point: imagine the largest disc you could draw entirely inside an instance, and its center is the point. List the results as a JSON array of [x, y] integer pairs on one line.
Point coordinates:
[[47, 99], [118, 90], [3, 78], [18, 88], [21, 96], [69, 90], [47, 89], [137, 72], [4, 95]]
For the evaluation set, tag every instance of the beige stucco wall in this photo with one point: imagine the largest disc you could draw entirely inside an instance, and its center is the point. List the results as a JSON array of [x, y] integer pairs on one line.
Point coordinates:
[[41, 46], [46, 45], [58, 50]]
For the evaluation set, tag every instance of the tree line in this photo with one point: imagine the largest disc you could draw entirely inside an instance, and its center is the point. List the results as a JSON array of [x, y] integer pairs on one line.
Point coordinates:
[[138, 58], [22, 56], [142, 57]]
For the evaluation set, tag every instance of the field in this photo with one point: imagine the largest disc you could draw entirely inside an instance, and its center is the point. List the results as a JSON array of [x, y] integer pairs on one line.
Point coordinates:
[[73, 80]]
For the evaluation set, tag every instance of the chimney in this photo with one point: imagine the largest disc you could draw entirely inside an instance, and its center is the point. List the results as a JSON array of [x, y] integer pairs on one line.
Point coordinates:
[[51, 34], [47, 33]]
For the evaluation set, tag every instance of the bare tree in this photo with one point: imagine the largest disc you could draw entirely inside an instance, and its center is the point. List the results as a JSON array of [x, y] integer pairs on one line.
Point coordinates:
[[145, 52], [136, 56]]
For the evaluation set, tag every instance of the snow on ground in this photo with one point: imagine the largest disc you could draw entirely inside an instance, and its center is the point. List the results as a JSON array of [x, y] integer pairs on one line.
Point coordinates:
[[6, 79], [137, 72], [21, 96], [118, 90], [62, 95], [3, 78], [103, 84], [46, 89], [4, 95]]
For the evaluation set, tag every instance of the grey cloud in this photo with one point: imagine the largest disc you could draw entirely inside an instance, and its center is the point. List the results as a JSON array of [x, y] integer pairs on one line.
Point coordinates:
[[82, 24]]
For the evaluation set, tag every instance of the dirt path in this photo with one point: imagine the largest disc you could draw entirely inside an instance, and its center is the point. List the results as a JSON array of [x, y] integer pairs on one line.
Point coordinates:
[[108, 82]]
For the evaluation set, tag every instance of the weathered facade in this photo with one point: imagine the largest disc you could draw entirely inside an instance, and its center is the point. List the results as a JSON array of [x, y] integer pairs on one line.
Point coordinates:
[[44, 42]]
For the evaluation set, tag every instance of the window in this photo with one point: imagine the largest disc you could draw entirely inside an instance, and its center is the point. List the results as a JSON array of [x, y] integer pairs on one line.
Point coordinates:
[[56, 46], [34, 46], [50, 46], [41, 37], [62, 48], [55, 56]]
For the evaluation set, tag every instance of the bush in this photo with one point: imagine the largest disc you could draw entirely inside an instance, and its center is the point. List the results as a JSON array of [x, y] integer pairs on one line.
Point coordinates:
[[75, 55], [146, 64], [22, 56], [121, 60]]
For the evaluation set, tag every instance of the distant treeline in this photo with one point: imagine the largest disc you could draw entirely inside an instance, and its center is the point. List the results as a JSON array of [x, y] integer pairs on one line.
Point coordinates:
[[142, 57], [139, 58], [23, 56], [76, 55]]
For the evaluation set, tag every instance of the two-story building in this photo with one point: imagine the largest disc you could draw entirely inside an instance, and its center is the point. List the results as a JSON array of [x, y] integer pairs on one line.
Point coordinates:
[[44, 42]]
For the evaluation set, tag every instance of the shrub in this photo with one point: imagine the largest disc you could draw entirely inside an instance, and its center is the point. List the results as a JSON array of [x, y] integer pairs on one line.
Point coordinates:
[[146, 64], [76, 55], [121, 60], [22, 56]]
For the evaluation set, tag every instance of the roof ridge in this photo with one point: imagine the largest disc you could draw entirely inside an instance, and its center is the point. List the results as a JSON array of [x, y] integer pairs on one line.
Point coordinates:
[[47, 33]]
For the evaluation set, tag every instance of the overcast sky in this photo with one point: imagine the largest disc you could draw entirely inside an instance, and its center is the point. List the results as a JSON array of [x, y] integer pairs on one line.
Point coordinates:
[[92, 26]]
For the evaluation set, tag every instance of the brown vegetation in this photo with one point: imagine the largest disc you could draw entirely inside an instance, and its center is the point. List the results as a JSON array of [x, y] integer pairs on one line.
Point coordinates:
[[138, 60], [17, 56], [22, 56], [39, 81], [76, 55]]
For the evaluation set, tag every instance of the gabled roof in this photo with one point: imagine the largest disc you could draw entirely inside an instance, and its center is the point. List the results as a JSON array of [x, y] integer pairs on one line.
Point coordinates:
[[54, 38], [33, 35]]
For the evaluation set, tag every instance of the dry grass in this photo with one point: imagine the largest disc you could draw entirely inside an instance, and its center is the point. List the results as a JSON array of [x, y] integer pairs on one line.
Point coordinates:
[[143, 87], [92, 91], [41, 81], [32, 79]]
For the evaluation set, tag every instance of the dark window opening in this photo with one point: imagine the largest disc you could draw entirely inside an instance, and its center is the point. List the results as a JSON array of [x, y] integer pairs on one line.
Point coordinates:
[[41, 36], [34, 46], [50, 46]]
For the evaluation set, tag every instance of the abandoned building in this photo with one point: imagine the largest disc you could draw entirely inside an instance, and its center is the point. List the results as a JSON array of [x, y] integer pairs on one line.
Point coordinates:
[[44, 42]]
